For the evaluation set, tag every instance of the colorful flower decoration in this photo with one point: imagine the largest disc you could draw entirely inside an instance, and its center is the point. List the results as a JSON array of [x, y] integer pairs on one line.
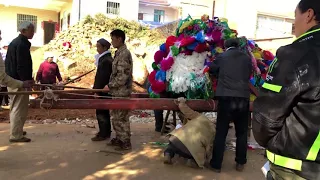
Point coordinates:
[[181, 64]]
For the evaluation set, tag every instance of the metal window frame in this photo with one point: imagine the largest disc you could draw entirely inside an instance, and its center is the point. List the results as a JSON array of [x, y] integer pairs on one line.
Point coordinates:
[[272, 17], [113, 8], [26, 17], [158, 13]]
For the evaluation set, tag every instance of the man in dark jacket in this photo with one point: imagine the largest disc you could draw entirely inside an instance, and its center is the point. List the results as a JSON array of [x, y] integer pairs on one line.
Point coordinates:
[[286, 113], [19, 66], [233, 69], [101, 80]]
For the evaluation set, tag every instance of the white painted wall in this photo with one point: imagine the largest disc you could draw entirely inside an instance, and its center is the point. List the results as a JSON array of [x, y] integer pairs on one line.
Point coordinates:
[[8, 22], [128, 8], [170, 14], [242, 15], [197, 8]]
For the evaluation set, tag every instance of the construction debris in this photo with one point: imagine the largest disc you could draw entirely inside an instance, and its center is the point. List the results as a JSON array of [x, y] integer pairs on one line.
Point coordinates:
[[75, 48]]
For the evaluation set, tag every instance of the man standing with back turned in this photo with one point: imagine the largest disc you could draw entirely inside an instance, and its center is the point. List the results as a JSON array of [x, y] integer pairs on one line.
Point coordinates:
[[120, 85], [19, 66], [233, 69]]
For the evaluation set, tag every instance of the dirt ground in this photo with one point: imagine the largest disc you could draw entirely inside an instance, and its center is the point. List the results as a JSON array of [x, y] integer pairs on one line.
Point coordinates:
[[59, 114], [41, 114], [65, 152]]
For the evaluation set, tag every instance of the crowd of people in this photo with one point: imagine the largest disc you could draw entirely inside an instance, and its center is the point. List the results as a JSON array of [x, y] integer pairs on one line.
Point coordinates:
[[113, 75], [285, 114]]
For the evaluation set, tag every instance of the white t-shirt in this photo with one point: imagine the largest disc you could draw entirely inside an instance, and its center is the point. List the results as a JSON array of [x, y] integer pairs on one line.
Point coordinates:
[[98, 56], [3, 54]]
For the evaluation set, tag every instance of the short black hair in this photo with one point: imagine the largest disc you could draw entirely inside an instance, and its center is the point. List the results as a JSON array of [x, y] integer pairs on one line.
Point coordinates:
[[232, 42], [305, 5], [119, 34]]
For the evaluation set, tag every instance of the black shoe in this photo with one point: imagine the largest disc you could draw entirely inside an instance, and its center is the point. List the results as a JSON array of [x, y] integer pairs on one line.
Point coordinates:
[[24, 133], [24, 139], [114, 142], [124, 146], [99, 138], [166, 130], [239, 167], [212, 169]]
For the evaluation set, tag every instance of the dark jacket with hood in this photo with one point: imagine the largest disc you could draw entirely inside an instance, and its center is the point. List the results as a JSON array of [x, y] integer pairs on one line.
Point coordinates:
[[286, 115]]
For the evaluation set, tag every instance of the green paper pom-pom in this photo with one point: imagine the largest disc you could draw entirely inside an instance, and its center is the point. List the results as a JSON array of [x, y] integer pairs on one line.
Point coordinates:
[[155, 66], [153, 95], [225, 24], [174, 50], [203, 26]]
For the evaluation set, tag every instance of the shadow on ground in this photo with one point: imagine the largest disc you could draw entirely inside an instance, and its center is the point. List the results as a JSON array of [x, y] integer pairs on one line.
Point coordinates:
[[65, 152]]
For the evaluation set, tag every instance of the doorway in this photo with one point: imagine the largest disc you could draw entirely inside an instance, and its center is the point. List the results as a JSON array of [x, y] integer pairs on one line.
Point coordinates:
[[49, 31]]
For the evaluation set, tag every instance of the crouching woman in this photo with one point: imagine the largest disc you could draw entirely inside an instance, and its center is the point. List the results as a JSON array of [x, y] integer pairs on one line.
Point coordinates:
[[193, 140]]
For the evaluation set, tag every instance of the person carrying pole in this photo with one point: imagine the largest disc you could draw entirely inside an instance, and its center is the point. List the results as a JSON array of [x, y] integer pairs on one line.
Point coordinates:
[[120, 85], [19, 66]]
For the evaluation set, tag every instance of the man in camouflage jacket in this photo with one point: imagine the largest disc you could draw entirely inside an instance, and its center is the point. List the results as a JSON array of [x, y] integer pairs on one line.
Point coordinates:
[[120, 85]]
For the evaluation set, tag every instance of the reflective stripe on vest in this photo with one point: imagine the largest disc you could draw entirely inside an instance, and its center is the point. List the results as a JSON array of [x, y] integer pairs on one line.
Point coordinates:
[[295, 164], [286, 162], [307, 33], [272, 64], [314, 150], [272, 87]]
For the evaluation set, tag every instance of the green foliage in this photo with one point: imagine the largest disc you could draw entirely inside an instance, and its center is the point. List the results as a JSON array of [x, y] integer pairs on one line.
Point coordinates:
[[88, 19]]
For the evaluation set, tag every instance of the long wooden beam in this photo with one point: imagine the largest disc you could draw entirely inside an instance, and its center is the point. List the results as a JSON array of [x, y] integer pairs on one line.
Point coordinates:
[[55, 92], [130, 104], [89, 95]]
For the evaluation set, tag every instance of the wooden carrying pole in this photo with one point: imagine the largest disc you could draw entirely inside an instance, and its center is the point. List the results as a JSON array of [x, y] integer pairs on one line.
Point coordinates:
[[129, 104], [54, 91], [57, 86], [72, 80]]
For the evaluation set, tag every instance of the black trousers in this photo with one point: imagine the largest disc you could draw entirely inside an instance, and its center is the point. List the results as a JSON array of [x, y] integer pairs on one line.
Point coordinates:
[[103, 117], [158, 114], [4, 97], [236, 109], [172, 150]]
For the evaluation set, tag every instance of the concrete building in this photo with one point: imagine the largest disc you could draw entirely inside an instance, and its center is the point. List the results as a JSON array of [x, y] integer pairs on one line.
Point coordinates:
[[44, 14], [258, 19], [52, 16], [163, 11], [255, 19]]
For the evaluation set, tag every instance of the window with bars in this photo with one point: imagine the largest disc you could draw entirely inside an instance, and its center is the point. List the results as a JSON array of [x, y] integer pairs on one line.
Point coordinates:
[[113, 8], [24, 17], [273, 27], [158, 15]]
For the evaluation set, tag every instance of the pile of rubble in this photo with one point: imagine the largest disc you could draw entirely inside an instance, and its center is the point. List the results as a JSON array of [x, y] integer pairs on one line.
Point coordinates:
[[75, 47]]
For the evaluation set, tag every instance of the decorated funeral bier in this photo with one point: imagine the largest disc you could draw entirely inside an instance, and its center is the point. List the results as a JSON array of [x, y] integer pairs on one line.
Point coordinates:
[[182, 63]]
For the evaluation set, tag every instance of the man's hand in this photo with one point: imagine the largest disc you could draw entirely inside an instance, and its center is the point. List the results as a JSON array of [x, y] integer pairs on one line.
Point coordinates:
[[182, 99], [28, 83], [106, 88], [179, 100]]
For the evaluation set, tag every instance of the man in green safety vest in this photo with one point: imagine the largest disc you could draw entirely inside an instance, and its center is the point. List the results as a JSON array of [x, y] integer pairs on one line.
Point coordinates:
[[286, 115]]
